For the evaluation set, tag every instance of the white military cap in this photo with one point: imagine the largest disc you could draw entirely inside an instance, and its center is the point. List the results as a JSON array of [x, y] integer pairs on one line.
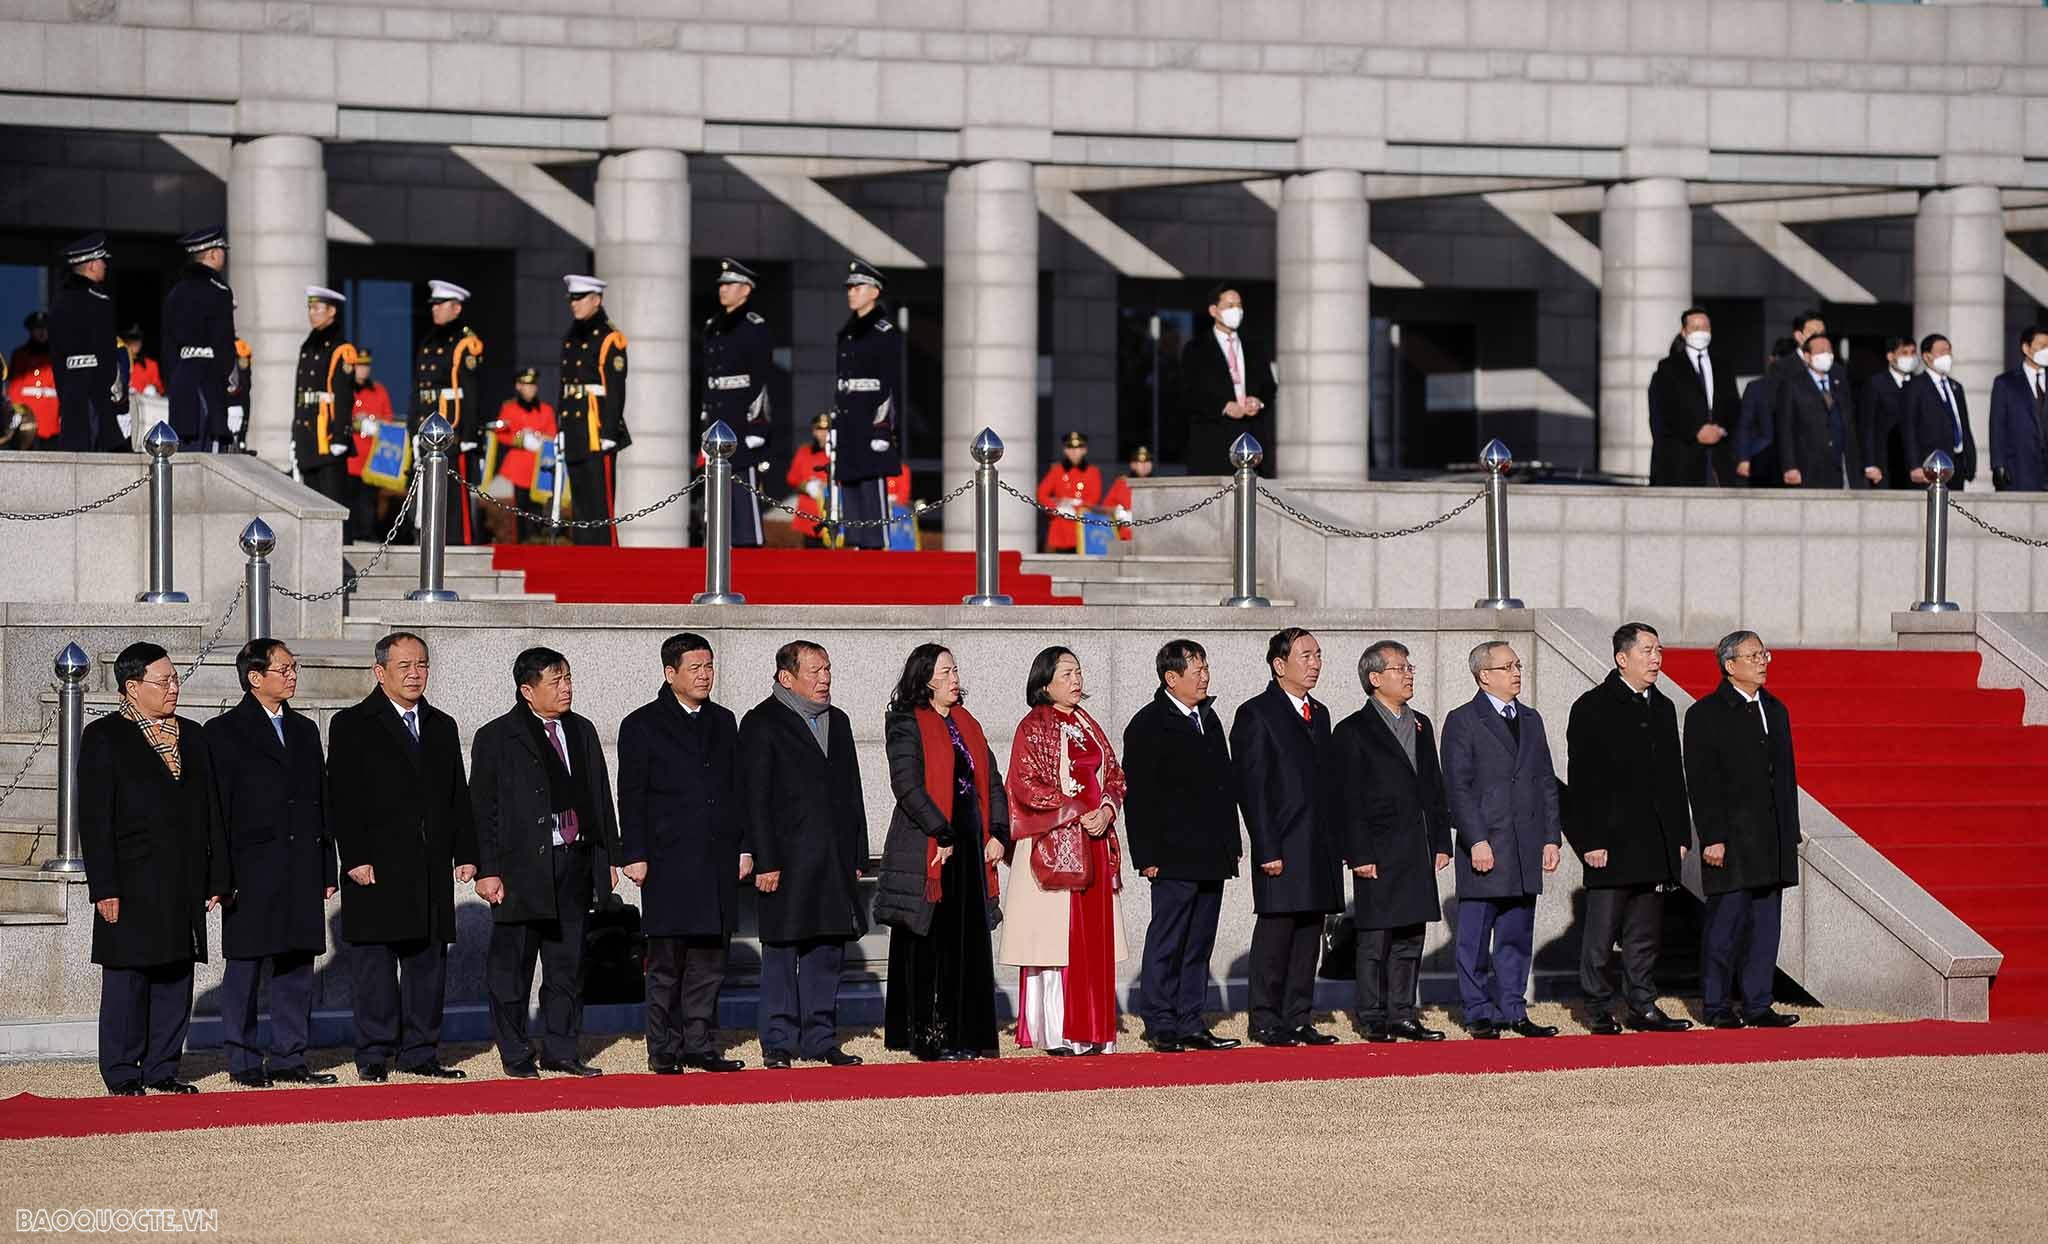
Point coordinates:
[[579, 285], [446, 291], [320, 293]]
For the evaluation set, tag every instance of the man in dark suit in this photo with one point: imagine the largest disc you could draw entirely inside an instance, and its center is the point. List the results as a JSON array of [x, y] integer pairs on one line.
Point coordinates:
[[406, 836], [1226, 387], [1816, 426], [271, 788], [681, 818], [1180, 817], [1502, 793], [2019, 418], [1625, 813], [1744, 788], [1937, 416], [1693, 411], [155, 863], [807, 829], [1755, 450], [1880, 414], [1766, 470], [1278, 742], [545, 835], [1397, 835]]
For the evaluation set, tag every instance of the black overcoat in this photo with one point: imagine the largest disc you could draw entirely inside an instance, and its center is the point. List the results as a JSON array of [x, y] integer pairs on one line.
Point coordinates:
[[150, 840], [403, 810], [682, 813], [1180, 800], [1392, 816], [1281, 765], [1206, 388], [806, 819], [510, 793], [273, 809], [1625, 785], [1745, 790], [900, 899]]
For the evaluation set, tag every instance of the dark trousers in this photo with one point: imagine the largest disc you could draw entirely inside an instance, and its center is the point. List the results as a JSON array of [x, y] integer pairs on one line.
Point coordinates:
[[400, 991], [143, 1016], [1634, 915], [800, 993], [683, 978], [747, 529], [532, 514], [1283, 970], [1175, 980], [330, 478], [1496, 937], [591, 495], [1389, 965], [864, 500], [1740, 944], [365, 527], [558, 943], [291, 1010]]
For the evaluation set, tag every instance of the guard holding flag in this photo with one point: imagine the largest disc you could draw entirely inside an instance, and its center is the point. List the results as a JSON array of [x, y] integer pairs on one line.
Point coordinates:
[[593, 407], [525, 426], [870, 419], [738, 353], [324, 402], [445, 375]]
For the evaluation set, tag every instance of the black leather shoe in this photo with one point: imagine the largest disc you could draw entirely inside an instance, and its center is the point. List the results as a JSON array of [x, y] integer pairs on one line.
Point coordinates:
[[953, 1056], [1526, 1027], [433, 1070], [1603, 1024], [131, 1089], [665, 1069], [523, 1071], [1770, 1019], [1276, 1037], [573, 1067], [712, 1062], [303, 1075], [1061, 1051], [1409, 1030], [1483, 1030], [1726, 1019], [1654, 1020], [1378, 1034], [1206, 1040], [373, 1075], [840, 1058], [1166, 1045], [776, 1061], [250, 1079], [171, 1084], [1309, 1036]]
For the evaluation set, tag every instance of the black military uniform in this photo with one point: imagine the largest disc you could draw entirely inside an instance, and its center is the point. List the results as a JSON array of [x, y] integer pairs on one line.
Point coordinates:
[[592, 412], [91, 364], [446, 384], [323, 407], [738, 356], [869, 419], [200, 372]]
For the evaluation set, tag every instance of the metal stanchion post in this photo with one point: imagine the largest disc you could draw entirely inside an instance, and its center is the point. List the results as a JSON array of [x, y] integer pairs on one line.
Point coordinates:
[[1496, 459], [1245, 455], [72, 665], [161, 443], [1940, 468], [988, 587], [435, 436], [257, 541], [718, 445]]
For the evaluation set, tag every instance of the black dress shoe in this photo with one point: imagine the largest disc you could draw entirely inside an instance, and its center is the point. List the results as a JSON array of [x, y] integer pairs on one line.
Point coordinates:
[[1483, 1030], [1166, 1045], [1276, 1037], [250, 1079], [1770, 1019], [303, 1075], [953, 1056], [840, 1058], [1206, 1040], [776, 1061], [1061, 1051], [712, 1062], [1378, 1034], [571, 1067], [171, 1084], [1526, 1027], [1654, 1020], [132, 1088], [376, 1074], [1603, 1024], [1409, 1030], [1309, 1036], [1726, 1019], [523, 1071], [665, 1069], [433, 1070]]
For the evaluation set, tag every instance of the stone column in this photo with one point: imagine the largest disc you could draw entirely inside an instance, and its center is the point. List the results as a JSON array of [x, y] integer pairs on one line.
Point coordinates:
[[1645, 282], [1321, 417], [1959, 292], [991, 338], [277, 246], [643, 250]]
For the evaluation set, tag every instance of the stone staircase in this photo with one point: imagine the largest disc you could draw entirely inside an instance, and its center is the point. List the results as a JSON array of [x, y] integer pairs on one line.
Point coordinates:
[[1137, 579], [465, 570]]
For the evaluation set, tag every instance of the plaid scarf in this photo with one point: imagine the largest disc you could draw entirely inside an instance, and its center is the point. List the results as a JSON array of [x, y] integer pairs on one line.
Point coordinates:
[[162, 736]]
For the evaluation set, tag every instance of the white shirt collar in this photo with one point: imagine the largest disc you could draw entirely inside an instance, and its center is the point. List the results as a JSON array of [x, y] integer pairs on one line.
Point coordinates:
[[1746, 696], [1223, 336], [401, 710], [1500, 705], [1297, 700]]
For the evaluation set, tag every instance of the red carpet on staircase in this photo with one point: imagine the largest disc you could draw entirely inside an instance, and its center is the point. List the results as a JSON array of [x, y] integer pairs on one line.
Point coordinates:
[[662, 576], [1936, 773]]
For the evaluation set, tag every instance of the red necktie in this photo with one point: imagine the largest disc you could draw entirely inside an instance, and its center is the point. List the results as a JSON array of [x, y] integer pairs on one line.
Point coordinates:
[[1308, 712]]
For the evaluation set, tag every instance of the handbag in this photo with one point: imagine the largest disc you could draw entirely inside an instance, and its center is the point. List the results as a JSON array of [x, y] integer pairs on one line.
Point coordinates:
[[1061, 860]]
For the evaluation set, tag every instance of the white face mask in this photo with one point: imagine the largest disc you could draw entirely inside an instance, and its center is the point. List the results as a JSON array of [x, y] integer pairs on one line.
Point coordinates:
[[1942, 362], [1820, 362], [1907, 364], [1232, 317], [1699, 341], [2041, 359]]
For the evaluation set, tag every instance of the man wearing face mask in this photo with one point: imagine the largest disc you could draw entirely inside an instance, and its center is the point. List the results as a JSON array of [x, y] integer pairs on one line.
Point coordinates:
[[1228, 388], [1880, 416], [2019, 418], [1937, 415], [1816, 437], [1755, 447], [1693, 411]]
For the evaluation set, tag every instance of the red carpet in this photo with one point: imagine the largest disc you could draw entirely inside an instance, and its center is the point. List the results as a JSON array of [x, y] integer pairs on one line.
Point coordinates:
[[26, 1116], [634, 576], [1935, 772]]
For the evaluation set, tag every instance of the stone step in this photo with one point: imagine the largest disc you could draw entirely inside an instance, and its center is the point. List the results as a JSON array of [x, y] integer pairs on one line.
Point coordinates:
[[327, 668], [27, 842], [18, 748], [405, 559], [32, 896], [1150, 568]]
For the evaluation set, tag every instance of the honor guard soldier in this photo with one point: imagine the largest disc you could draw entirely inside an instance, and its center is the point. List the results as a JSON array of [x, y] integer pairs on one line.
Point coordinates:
[[324, 403], [1118, 500], [373, 406], [446, 378], [91, 365], [810, 473], [199, 344], [738, 354], [592, 412], [870, 417], [525, 425], [1073, 487], [143, 376]]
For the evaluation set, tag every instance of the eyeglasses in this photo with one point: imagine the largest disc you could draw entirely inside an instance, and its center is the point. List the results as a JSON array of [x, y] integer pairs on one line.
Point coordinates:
[[1762, 656], [1513, 667], [289, 671], [166, 682], [1398, 669]]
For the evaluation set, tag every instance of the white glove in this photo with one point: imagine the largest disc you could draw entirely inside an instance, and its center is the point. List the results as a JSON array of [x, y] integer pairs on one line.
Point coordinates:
[[468, 447], [234, 420], [127, 428], [1123, 515], [1070, 507], [530, 441], [755, 442], [879, 446], [341, 450], [607, 446], [816, 489], [150, 391], [366, 426]]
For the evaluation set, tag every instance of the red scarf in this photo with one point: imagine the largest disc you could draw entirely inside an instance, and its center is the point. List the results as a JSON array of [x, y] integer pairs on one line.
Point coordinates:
[[938, 783]]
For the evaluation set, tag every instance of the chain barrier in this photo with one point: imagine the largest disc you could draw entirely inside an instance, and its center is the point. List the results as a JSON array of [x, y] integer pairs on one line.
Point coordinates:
[[583, 524], [1107, 521], [1993, 528], [844, 523], [42, 740], [1331, 529], [75, 511], [351, 581]]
